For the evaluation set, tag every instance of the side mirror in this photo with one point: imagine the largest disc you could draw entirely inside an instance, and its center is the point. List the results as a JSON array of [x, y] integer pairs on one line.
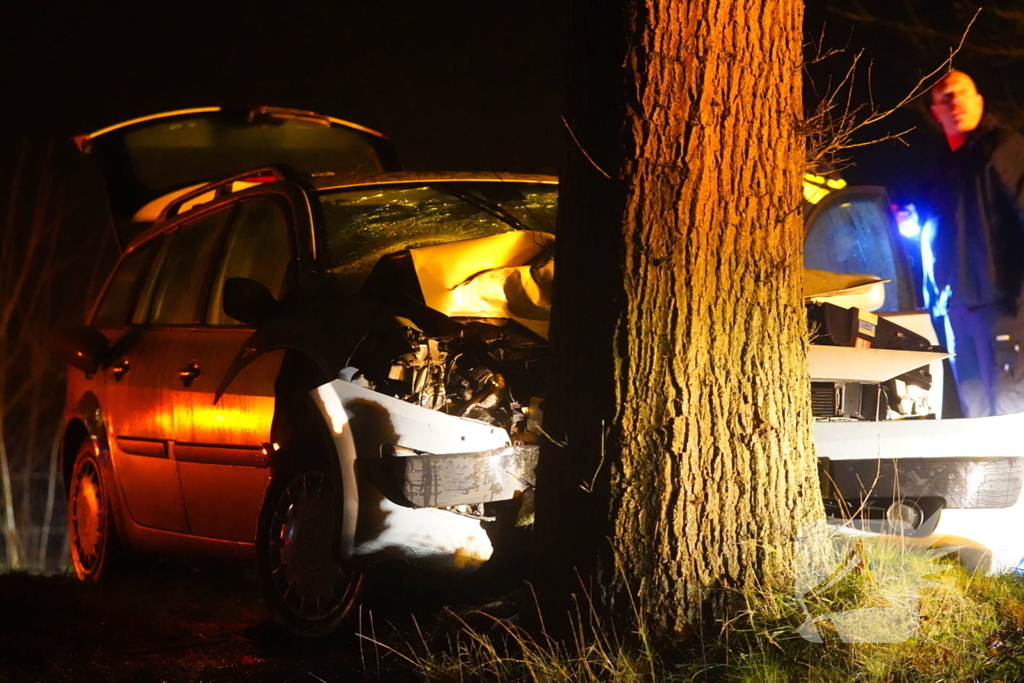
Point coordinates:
[[248, 301], [81, 347]]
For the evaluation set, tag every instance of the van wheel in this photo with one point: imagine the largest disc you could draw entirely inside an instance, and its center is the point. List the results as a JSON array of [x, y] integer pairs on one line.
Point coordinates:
[[92, 536], [310, 588]]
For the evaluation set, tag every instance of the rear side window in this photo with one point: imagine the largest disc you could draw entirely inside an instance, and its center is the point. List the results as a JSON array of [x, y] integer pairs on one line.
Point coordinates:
[[185, 272], [258, 247], [120, 296], [855, 237]]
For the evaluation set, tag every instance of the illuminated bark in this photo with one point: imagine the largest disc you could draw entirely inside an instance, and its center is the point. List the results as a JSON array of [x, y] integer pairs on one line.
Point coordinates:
[[680, 384]]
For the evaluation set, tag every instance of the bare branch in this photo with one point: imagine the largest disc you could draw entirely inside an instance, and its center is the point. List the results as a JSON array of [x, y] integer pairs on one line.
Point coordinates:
[[831, 130], [916, 29], [583, 151]]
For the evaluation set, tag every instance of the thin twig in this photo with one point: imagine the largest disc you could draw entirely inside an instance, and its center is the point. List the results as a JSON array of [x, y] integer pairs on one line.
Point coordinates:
[[583, 151]]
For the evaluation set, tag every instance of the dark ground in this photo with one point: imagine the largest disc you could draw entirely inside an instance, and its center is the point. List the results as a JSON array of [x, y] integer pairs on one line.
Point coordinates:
[[177, 622]]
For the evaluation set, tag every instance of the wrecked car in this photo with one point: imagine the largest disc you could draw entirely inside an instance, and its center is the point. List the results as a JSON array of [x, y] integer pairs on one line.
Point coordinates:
[[895, 456], [339, 365], [323, 370]]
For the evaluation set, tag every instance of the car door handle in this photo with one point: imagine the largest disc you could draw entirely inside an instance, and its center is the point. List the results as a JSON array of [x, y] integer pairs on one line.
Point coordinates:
[[189, 373], [120, 369]]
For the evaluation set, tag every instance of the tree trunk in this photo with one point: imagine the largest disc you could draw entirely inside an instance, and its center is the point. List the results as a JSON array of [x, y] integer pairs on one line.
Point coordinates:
[[680, 386]]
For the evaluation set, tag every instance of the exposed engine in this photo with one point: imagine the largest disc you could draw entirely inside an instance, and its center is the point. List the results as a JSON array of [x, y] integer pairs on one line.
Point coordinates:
[[485, 363], [901, 396], [489, 371]]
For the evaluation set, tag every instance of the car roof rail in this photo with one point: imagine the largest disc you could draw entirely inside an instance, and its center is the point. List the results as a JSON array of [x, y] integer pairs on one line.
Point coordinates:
[[204, 194]]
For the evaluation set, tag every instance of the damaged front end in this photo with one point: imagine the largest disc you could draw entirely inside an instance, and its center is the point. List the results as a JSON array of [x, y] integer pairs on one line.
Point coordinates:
[[431, 323], [439, 432], [888, 463], [437, 417], [417, 481]]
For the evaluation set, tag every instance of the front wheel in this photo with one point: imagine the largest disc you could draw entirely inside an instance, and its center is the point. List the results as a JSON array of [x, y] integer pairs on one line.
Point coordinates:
[[310, 588], [92, 536]]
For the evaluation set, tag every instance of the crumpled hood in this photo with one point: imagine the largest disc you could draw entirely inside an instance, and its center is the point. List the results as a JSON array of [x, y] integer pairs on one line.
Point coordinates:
[[510, 275], [500, 276]]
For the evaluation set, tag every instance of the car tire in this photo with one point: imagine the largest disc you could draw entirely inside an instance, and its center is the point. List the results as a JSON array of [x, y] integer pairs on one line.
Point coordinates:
[[310, 588], [92, 534]]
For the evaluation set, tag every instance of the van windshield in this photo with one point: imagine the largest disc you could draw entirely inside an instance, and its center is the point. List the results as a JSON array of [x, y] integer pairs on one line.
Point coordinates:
[[854, 236]]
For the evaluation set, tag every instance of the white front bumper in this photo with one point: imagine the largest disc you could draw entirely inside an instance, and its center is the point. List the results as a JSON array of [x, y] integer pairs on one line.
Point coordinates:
[[997, 530], [374, 527]]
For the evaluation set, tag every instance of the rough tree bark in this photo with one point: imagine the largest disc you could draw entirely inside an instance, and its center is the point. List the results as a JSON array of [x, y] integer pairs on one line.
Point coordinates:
[[680, 387]]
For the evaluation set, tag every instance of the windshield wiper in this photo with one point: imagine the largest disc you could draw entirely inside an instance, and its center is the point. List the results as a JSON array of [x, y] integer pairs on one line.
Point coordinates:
[[484, 205]]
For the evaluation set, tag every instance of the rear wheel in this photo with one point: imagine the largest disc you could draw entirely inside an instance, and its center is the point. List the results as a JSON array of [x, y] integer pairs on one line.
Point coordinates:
[[91, 533], [310, 588]]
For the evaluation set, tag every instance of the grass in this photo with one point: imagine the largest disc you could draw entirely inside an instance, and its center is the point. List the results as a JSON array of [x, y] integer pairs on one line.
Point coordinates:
[[172, 623], [961, 627]]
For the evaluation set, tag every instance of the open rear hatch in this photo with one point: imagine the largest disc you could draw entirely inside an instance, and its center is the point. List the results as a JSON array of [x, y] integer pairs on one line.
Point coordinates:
[[149, 161]]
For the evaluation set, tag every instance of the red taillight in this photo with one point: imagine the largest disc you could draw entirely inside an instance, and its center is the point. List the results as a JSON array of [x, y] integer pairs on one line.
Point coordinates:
[[258, 178]]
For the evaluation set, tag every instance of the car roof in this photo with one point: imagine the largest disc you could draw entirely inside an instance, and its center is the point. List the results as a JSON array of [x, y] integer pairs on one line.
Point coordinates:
[[322, 183]]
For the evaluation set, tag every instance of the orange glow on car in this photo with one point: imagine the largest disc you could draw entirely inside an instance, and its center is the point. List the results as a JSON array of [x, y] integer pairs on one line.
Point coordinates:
[[255, 415]]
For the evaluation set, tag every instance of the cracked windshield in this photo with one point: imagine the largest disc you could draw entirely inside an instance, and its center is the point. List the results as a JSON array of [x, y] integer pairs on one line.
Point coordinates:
[[364, 224]]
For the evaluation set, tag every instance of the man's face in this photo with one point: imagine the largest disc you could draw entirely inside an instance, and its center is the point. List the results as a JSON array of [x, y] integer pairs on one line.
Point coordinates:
[[956, 104]]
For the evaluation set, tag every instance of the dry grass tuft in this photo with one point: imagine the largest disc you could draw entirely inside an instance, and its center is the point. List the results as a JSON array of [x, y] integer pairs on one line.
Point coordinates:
[[966, 628]]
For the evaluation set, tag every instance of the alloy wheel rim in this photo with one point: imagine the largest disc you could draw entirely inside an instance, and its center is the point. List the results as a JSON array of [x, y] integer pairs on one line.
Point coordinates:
[[87, 516], [307, 572]]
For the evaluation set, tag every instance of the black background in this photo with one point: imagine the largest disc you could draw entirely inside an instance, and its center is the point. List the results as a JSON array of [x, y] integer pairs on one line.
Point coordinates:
[[457, 85], [453, 86]]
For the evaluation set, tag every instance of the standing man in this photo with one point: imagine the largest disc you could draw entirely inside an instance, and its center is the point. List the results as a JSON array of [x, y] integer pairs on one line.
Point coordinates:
[[979, 248]]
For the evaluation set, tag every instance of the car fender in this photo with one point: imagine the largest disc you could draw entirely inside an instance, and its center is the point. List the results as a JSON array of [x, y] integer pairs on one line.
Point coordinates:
[[361, 422], [88, 413]]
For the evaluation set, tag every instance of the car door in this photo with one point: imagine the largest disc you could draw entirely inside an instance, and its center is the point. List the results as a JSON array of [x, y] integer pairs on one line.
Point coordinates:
[[144, 389], [148, 478], [220, 451]]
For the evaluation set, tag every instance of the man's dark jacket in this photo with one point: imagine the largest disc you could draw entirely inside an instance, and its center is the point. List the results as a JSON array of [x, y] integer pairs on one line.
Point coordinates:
[[979, 248]]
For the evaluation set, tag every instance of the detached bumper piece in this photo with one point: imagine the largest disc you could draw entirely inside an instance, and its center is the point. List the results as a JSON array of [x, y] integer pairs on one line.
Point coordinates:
[[960, 483], [431, 480]]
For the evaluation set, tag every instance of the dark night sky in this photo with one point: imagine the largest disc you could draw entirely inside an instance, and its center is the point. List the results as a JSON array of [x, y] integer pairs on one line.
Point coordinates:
[[456, 84], [452, 86], [894, 59]]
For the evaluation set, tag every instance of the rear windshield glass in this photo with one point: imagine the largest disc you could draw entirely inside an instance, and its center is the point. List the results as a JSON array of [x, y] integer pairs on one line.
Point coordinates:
[[364, 224], [148, 160]]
